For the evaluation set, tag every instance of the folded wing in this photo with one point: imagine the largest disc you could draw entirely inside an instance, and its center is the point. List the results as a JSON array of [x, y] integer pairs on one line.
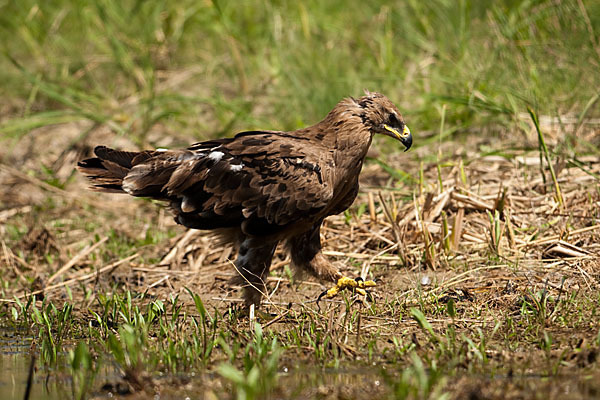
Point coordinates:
[[262, 180]]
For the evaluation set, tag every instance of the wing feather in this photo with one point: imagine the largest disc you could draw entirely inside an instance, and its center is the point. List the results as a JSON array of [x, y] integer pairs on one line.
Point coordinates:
[[263, 175], [268, 178]]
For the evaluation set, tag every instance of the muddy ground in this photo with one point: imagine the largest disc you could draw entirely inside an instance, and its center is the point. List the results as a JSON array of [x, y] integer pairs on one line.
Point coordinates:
[[486, 267]]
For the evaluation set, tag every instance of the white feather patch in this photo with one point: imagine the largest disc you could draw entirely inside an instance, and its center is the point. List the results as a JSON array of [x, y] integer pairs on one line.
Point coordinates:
[[161, 149], [216, 155], [129, 185], [186, 205], [236, 168]]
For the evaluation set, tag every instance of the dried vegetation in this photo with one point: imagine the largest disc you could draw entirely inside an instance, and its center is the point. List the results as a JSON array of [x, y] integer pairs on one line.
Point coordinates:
[[483, 238], [484, 264]]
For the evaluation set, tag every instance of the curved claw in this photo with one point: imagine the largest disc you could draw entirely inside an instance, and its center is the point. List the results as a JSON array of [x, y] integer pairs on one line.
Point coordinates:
[[323, 294]]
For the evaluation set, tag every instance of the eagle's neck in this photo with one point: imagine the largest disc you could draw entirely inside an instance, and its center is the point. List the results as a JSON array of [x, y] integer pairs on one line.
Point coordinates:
[[350, 135]]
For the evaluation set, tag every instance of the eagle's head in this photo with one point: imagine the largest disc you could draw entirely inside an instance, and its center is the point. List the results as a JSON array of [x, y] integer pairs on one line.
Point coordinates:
[[382, 116]]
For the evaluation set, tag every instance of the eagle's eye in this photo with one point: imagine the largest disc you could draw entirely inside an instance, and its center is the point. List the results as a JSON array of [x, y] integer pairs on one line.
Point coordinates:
[[393, 120]]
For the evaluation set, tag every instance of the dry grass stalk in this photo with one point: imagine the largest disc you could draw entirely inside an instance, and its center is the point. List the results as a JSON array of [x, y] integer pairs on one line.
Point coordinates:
[[78, 257], [394, 233]]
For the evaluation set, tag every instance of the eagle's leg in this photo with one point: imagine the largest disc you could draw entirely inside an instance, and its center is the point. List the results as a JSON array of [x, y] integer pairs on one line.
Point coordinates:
[[305, 251], [252, 264]]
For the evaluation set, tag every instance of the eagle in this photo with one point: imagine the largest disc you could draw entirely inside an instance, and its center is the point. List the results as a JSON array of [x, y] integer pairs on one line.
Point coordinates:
[[260, 188]]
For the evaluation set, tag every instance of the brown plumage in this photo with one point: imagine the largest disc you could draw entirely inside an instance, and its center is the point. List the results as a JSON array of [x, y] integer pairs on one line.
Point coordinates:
[[260, 187]]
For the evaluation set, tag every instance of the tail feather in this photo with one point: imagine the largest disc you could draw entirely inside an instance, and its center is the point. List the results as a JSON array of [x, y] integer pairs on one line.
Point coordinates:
[[122, 158], [142, 173], [148, 180], [109, 168]]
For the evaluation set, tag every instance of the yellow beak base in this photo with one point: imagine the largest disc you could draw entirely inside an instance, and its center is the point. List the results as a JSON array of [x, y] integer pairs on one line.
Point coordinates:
[[405, 132]]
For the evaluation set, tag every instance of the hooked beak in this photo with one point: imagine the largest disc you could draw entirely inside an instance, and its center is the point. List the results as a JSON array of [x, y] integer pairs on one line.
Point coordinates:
[[405, 137]]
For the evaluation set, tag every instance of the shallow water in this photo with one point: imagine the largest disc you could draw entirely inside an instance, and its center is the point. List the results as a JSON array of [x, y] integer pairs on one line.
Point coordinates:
[[15, 360], [295, 382]]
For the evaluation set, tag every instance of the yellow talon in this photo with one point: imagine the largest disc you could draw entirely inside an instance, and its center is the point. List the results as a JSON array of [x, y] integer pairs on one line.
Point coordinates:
[[358, 285]]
